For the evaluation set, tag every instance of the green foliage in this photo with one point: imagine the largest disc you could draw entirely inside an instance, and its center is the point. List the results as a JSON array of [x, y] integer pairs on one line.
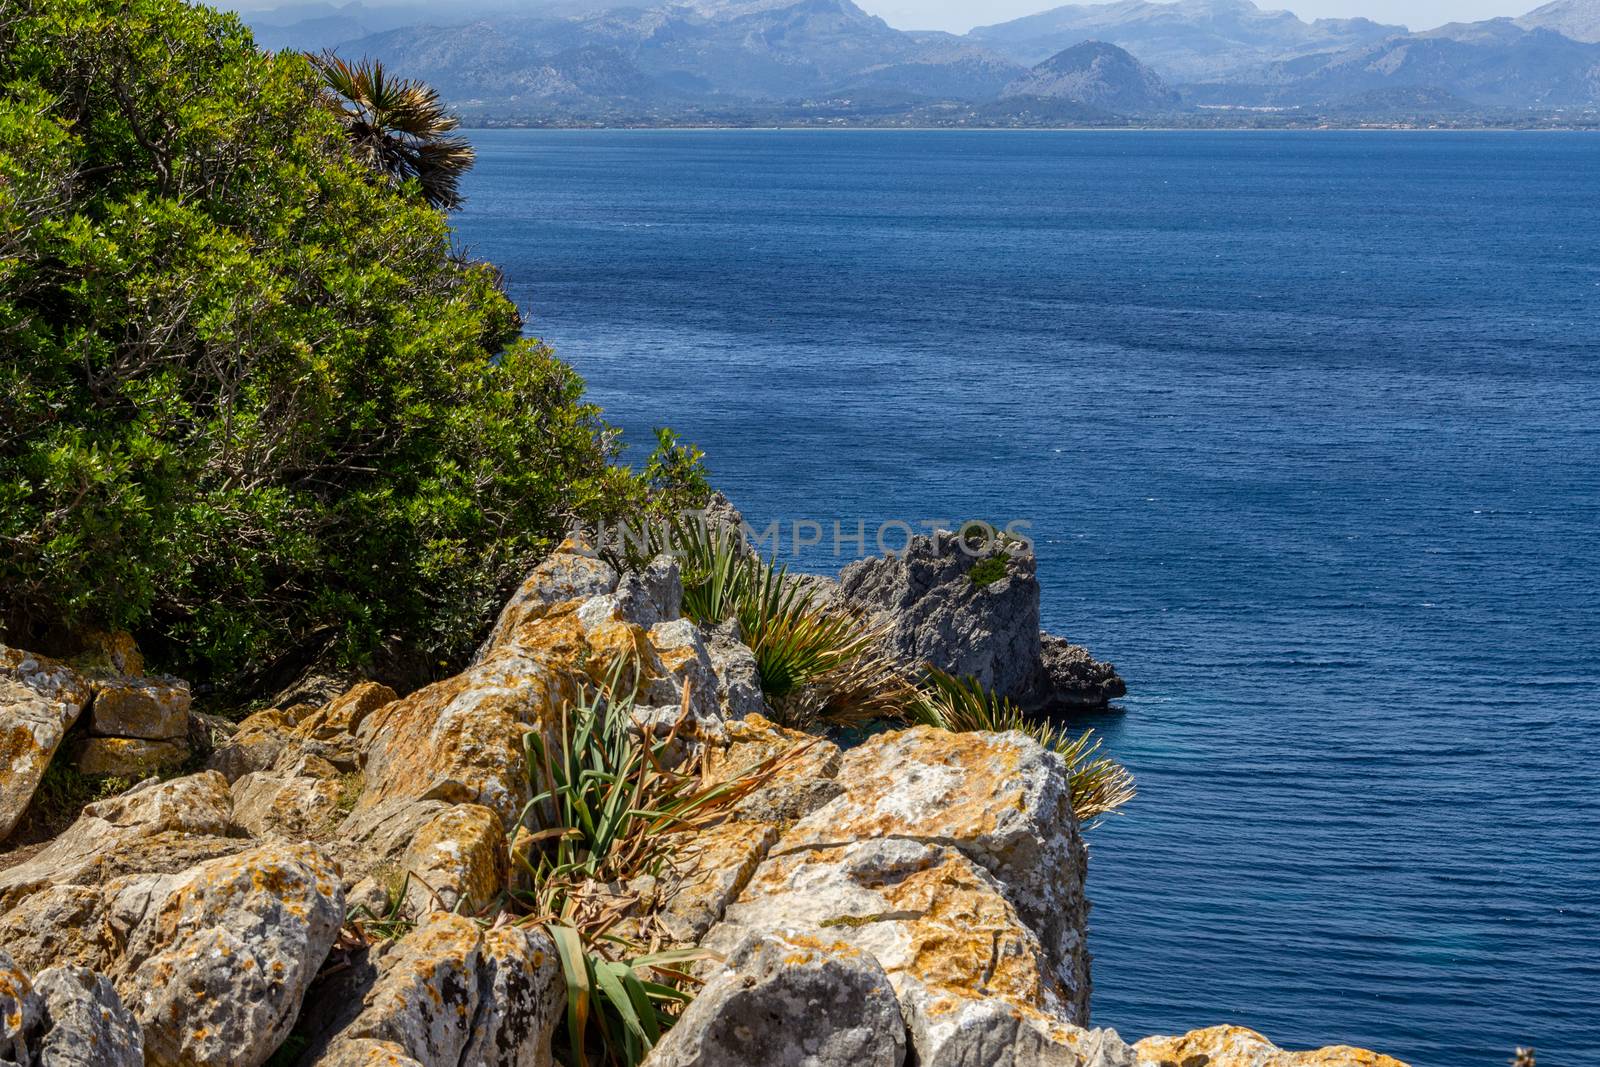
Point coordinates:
[[615, 1013], [1099, 785], [606, 805], [253, 405], [988, 570]]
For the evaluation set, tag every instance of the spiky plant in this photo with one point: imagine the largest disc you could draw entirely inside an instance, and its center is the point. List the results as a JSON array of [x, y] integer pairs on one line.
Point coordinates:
[[616, 1009], [397, 126], [1099, 785]]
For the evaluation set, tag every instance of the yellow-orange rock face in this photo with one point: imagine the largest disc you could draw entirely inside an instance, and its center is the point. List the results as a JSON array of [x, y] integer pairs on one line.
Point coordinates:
[[1235, 1046], [457, 861], [39, 699], [344, 714]]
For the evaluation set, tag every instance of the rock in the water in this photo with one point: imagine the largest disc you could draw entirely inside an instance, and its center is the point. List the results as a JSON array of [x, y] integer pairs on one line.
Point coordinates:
[[87, 1026], [939, 614], [39, 700], [1072, 679], [976, 615], [155, 709], [216, 971], [1235, 1046], [129, 757], [789, 1000]]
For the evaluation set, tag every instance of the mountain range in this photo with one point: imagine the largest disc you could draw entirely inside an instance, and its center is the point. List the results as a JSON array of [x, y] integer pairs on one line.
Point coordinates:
[[829, 61]]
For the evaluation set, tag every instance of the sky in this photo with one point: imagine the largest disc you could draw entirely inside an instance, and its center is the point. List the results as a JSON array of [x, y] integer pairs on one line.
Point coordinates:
[[959, 16]]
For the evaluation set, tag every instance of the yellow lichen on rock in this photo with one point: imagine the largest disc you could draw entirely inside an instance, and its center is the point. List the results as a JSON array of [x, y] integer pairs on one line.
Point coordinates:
[[1237, 1046]]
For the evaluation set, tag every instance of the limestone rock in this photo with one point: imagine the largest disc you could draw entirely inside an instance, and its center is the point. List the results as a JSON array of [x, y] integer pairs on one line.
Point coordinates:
[[1072, 679], [108, 652], [789, 1000], [39, 700], [21, 1010], [59, 925], [686, 662], [1235, 1046], [155, 825], [156, 709], [569, 573], [954, 1031], [521, 998], [255, 746], [938, 614], [793, 790], [738, 679], [216, 971], [344, 714], [291, 807], [365, 1052], [457, 861], [129, 757], [652, 595], [447, 994], [87, 1026], [933, 918], [1001, 799], [708, 871]]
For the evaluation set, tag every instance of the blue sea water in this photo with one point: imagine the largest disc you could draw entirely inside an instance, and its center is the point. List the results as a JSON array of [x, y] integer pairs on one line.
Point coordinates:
[[1308, 429]]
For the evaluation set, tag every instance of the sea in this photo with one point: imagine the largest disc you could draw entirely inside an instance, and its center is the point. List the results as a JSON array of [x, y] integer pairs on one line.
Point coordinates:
[[1306, 429]]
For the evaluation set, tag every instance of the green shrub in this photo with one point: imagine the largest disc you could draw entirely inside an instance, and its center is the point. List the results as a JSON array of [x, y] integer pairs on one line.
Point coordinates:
[[253, 404], [988, 570]]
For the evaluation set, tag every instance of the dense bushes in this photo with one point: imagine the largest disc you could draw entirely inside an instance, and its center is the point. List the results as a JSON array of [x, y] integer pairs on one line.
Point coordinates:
[[252, 404]]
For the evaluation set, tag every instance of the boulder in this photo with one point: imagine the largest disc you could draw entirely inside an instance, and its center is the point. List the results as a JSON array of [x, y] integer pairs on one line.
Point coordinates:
[[155, 709], [85, 1022], [975, 613], [344, 714], [954, 1031], [933, 919], [788, 999], [448, 994], [1002, 800], [457, 861], [652, 595], [796, 788], [216, 967], [365, 1052], [154, 826], [39, 700], [59, 925], [571, 572], [1235, 1046], [738, 678], [129, 757], [685, 661], [291, 807], [708, 871], [255, 745]]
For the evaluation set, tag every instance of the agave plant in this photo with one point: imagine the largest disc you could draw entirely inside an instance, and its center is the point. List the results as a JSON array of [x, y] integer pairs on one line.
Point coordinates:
[[617, 1009], [1099, 784], [397, 126]]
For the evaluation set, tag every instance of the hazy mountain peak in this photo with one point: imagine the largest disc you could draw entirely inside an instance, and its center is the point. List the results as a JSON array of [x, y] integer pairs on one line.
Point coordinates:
[[1099, 75], [1577, 19]]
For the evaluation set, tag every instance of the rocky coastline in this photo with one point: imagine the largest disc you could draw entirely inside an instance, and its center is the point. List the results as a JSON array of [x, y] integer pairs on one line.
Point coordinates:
[[328, 882]]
